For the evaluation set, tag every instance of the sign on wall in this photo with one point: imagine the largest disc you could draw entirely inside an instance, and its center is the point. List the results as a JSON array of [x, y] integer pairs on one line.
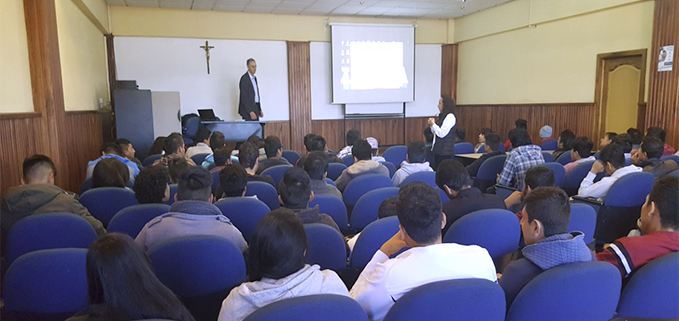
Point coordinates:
[[666, 58]]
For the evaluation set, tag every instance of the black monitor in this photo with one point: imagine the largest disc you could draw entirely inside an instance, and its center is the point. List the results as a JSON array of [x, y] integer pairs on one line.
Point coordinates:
[[207, 114]]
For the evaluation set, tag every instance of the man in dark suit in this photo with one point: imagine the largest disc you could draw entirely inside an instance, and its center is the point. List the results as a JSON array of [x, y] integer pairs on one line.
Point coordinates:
[[248, 106]]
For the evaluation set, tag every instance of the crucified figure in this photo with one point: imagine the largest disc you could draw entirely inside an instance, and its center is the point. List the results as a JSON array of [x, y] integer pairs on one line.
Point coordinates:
[[207, 55]]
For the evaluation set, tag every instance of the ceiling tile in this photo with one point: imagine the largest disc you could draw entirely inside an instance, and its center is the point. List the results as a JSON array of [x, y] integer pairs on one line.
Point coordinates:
[[142, 3], [228, 7], [115, 2], [348, 10]]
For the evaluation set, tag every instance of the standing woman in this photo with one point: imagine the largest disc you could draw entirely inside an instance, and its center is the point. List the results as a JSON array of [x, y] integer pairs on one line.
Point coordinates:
[[443, 130]]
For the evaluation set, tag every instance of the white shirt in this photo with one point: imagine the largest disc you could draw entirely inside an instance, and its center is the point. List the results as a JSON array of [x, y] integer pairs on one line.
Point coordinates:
[[385, 280], [448, 124], [254, 86], [599, 189], [200, 148]]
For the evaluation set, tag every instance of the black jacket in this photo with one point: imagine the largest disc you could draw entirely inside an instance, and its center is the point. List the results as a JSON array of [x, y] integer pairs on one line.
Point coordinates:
[[246, 103]]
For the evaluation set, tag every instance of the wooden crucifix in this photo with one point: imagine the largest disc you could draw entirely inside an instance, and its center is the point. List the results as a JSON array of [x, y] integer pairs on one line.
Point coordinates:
[[207, 48]]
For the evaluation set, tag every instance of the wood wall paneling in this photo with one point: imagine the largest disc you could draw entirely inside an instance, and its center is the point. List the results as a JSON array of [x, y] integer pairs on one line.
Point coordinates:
[[299, 93], [449, 55], [280, 129], [663, 95], [20, 140]]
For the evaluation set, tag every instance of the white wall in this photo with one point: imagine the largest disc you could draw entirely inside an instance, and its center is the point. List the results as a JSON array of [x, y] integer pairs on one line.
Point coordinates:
[[427, 82], [178, 64]]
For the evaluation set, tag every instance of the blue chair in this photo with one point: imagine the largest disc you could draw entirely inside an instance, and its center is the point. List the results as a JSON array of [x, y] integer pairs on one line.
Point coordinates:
[[502, 148], [504, 191], [674, 173], [482, 149], [548, 157], [371, 239], [463, 148], [333, 206], [190, 130], [131, 220], [550, 145], [675, 158], [291, 155], [173, 192], [215, 180], [243, 212], [326, 247], [487, 174], [200, 269], [348, 160], [559, 172], [362, 184], [104, 202], [365, 210], [87, 185], [327, 307], [391, 167], [396, 154], [148, 161], [583, 219], [48, 231], [429, 178], [450, 300], [498, 231], [276, 172], [335, 170], [651, 293], [199, 158], [565, 158], [46, 284], [577, 291], [330, 181], [597, 155], [572, 181], [264, 192]]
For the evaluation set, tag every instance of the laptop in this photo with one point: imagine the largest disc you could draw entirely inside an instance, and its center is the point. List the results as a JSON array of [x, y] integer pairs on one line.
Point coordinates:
[[207, 114]]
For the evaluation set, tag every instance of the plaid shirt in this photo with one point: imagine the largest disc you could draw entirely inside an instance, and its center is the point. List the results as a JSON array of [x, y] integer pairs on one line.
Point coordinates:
[[519, 161]]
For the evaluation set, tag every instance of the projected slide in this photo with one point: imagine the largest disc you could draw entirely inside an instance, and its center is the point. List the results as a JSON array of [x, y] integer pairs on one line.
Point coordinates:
[[373, 65]]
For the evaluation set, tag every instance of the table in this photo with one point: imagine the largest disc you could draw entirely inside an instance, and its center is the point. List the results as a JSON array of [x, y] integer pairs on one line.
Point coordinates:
[[236, 131]]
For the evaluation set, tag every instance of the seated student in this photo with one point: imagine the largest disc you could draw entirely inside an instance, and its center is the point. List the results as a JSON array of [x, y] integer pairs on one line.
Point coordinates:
[[158, 145], [363, 164], [415, 162], [612, 160], [523, 156], [482, 139], [203, 143], [454, 179], [128, 151], [375, 149], [636, 136], [221, 157], [545, 134], [294, 192], [152, 185], [626, 142], [537, 176], [518, 124], [217, 140], [174, 148], [233, 182], [384, 280], [274, 152], [258, 143], [648, 158], [122, 286], [316, 166], [387, 208], [37, 194], [277, 268], [659, 133], [607, 139], [113, 150], [110, 172], [659, 223], [307, 142], [317, 143], [248, 157], [565, 140], [581, 153], [191, 214], [175, 167], [492, 147], [544, 227], [352, 136]]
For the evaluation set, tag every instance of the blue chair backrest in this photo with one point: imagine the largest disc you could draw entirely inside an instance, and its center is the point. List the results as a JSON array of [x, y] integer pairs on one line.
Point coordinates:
[[630, 190], [391, 167], [577, 291], [199, 158], [335, 170], [450, 300], [429, 178], [487, 174], [496, 230], [502, 148], [215, 180], [47, 282], [173, 192], [326, 247], [48, 231], [548, 157], [674, 173], [264, 192], [572, 181], [550, 145], [192, 125], [131, 220], [333, 206], [104, 202], [559, 172], [361, 185], [651, 292], [463, 148], [87, 185], [148, 161], [365, 210], [291, 155], [371, 239], [564, 158], [276, 172], [330, 181], [243, 212], [597, 155], [348, 160], [396, 154], [583, 219], [327, 307], [197, 265], [481, 149], [675, 158]]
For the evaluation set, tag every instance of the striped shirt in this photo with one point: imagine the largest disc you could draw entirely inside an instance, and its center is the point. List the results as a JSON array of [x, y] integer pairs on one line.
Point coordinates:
[[630, 253]]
